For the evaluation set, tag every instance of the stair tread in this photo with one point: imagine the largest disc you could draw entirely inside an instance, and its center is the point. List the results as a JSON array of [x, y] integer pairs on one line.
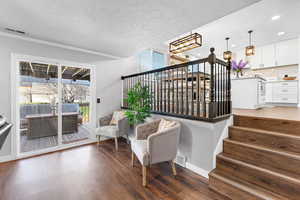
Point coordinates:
[[265, 132], [292, 155], [287, 126], [261, 117], [247, 187], [280, 167], [267, 171]]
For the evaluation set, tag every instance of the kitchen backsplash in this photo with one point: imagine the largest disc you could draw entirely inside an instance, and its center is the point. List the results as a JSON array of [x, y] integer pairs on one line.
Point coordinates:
[[278, 72]]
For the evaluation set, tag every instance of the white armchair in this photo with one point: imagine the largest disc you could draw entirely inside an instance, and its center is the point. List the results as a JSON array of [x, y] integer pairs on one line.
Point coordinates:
[[155, 142], [120, 128]]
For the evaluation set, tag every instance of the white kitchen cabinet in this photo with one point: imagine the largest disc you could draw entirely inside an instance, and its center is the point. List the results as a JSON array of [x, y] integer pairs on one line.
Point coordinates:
[[256, 60], [269, 92], [247, 93], [268, 55], [287, 53], [282, 92], [278, 54]]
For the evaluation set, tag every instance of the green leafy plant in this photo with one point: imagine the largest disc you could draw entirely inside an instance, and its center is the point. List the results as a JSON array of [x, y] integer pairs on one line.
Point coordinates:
[[138, 103]]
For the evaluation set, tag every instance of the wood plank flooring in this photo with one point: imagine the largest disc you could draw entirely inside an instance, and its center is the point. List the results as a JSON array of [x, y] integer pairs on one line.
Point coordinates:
[[288, 113], [94, 172]]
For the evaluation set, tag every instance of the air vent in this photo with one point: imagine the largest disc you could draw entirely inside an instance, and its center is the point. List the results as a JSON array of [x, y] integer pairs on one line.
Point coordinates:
[[180, 160], [15, 31]]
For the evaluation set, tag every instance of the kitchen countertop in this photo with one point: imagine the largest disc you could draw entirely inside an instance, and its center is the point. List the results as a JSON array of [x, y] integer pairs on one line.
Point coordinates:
[[275, 81], [243, 78]]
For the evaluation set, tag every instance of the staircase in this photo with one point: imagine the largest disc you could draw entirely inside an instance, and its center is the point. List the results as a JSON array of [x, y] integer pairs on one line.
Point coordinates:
[[260, 160]]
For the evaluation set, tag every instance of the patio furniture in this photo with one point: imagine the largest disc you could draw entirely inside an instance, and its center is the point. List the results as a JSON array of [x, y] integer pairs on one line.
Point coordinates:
[[113, 126], [44, 125], [41, 109], [155, 142]]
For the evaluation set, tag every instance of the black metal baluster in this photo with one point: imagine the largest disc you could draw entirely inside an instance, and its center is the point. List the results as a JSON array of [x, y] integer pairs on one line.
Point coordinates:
[[221, 86], [204, 100], [173, 92], [192, 96], [229, 87], [182, 103], [177, 100], [218, 88], [168, 72], [187, 90], [157, 91], [161, 92], [198, 91]]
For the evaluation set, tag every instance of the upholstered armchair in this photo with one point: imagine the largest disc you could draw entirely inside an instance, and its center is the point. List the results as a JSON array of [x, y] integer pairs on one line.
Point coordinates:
[[114, 130], [155, 142]]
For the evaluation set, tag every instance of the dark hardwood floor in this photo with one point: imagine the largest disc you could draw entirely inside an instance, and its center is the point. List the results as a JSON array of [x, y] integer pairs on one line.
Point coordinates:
[[97, 172]]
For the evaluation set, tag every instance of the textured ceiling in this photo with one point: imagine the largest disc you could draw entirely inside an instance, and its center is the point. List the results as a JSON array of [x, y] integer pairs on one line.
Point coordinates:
[[116, 27], [256, 17]]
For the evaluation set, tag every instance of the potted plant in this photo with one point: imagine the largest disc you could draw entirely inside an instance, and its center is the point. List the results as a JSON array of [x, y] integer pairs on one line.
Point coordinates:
[[238, 67], [138, 101]]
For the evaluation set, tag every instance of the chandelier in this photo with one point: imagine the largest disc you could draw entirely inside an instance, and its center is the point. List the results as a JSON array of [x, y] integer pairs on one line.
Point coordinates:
[[186, 43]]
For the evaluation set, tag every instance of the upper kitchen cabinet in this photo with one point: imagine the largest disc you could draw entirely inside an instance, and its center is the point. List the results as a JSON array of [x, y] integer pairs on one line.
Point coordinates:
[[287, 53], [278, 54], [256, 60], [268, 56]]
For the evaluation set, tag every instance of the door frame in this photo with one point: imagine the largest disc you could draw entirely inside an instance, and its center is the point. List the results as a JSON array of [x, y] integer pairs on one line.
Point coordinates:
[[15, 114]]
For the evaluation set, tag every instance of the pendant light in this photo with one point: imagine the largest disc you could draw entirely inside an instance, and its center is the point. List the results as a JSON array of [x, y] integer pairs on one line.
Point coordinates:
[[186, 43], [227, 54], [250, 50]]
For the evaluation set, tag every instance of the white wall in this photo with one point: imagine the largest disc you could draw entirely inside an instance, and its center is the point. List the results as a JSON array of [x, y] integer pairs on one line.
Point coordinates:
[[10, 45], [109, 84], [200, 142]]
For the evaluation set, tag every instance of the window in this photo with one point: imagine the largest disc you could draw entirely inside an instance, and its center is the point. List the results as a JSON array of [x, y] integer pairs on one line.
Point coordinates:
[[150, 59]]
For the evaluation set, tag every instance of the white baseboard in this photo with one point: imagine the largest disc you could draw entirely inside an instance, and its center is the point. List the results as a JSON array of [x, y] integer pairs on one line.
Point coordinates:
[[6, 158], [197, 170]]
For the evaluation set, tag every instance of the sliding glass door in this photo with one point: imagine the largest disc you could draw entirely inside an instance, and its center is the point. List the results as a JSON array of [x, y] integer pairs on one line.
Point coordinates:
[[75, 103], [53, 105], [38, 106]]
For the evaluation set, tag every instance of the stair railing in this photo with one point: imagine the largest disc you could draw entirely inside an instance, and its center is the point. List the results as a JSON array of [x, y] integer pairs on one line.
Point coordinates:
[[198, 90]]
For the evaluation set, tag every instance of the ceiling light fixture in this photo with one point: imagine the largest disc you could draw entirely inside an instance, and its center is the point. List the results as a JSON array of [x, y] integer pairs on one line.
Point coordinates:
[[233, 45], [227, 54], [275, 17], [280, 33], [186, 43], [250, 50]]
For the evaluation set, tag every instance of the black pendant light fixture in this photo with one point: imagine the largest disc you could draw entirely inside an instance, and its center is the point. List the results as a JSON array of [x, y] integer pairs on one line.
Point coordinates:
[[227, 54], [186, 43], [250, 50]]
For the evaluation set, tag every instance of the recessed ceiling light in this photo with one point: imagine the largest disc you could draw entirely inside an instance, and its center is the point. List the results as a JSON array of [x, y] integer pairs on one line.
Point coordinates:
[[276, 17], [280, 33], [233, 45]]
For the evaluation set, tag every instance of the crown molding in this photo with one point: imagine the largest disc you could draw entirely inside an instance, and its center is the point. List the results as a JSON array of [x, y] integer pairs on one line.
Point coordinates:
[[55, 44]]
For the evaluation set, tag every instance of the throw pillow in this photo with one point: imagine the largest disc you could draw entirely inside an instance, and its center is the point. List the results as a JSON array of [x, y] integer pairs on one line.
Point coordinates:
[[117, 115], [165, 124]]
